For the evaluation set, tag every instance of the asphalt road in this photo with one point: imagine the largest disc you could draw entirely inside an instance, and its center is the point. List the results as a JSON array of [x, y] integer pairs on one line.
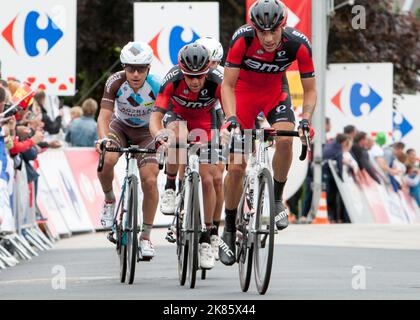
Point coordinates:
[[310, 262]]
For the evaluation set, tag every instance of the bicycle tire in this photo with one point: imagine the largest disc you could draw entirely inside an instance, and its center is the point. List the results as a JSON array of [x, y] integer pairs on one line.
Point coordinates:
[[264, 230], [122, 253], [193, 235], [243, 250], [203, 274], [182, 245], [132, 233]]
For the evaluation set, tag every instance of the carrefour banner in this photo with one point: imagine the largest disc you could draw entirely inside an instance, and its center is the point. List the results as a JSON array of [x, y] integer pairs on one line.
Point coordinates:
[[360, 94], [38, 43], [167, 27], [407, 120]]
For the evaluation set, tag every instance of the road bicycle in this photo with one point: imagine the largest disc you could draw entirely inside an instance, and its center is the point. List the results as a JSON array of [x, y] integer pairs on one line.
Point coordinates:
[[127, 218], [188, 223], [256, 212]]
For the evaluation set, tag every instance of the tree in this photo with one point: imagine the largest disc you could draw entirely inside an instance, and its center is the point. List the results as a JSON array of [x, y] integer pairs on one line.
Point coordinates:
[[388, 37], [105, 26]]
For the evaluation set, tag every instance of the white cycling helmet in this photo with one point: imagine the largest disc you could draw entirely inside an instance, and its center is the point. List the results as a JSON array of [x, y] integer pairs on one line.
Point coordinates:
[[214, 46], [136, 53]]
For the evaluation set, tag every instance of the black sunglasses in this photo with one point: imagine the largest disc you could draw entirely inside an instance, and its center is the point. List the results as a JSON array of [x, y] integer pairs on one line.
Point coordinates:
[[133, 68], [195, 76]]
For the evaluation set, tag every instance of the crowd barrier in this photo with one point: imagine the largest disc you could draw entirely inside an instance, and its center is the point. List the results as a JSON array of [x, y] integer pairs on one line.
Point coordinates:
[[367, 201], [70, 198]]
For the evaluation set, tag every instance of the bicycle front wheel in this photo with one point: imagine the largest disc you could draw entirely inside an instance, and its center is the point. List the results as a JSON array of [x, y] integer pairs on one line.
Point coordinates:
[[122, 252], [264, 233], [193, 229], [244, 249], [181, 243], [132, 228]]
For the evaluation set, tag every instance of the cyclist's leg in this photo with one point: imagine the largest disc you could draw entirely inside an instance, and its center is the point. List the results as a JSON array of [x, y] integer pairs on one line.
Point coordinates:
[[246, 111], [179, 133], [220, 194], [118, 137], [207, 173], [106, 176], [148, 171], [281, 117]]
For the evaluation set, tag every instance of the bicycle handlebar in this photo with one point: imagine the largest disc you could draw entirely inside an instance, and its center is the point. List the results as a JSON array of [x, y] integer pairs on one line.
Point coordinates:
[[130, 150], [270, 132]]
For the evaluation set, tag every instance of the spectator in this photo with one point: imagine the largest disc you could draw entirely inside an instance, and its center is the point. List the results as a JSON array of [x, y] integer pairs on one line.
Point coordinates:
[[376, 156], [50, 126], [328, 136], [334, 151], [82, 132], [412, 179], [360, 154], [393, 151], [413, 160], [351, 131], [76, 112]]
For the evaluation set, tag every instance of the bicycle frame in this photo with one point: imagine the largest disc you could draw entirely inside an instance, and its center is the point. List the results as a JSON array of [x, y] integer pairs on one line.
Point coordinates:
[[256, 164], [193, 165]]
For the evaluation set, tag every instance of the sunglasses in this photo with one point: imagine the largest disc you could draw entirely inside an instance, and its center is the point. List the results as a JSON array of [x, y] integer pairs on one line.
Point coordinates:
[[133, 68], [195, 76]]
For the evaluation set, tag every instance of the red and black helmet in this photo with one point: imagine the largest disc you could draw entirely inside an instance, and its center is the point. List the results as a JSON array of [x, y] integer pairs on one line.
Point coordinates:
[[194, 59], [267, 15]]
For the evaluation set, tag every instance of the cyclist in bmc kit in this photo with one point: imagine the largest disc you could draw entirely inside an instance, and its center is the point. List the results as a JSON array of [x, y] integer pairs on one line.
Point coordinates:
[[258, 58], [188, 96], [216, 54], [127, 103]]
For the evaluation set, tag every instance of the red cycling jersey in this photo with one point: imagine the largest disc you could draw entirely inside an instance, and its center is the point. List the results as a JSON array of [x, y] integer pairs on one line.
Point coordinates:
[[196, 108], [262, 73]]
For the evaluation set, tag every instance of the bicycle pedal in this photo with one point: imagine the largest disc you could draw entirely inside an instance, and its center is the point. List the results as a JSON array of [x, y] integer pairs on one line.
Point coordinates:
[[111, 238], [144, 259]]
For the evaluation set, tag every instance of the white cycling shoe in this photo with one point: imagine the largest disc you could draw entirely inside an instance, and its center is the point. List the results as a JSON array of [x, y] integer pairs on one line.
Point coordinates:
[[167, 204], [146, 249], [107, 217], [205, 256], [215, 242]]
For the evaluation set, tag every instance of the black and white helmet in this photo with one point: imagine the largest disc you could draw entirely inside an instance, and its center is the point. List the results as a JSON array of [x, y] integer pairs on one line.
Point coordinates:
[[194, 58], [267, 15]]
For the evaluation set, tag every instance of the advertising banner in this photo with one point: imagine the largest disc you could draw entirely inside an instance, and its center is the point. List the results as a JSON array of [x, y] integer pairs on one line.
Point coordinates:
[[167, 27], [360, 94], [38, 44]]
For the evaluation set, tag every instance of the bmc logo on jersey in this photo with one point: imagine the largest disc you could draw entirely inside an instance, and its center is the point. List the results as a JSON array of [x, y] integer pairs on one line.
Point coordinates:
[[264, 67], [23, 33], [361, 100], [174, 38], [194, 104]]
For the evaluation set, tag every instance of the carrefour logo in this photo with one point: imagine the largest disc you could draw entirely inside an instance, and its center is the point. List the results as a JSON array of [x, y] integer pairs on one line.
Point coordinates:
[[360, 100], [24, 36], [171, 40]]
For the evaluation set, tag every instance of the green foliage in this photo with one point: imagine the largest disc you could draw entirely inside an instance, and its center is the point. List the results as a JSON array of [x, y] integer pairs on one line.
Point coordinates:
[[388, 37]]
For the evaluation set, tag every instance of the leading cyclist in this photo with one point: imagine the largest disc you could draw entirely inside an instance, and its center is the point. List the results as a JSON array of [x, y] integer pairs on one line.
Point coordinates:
[[258, 58], [132, 92]]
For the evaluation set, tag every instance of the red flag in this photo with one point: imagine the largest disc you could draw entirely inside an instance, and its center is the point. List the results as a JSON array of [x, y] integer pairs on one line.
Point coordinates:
[[23, 96]]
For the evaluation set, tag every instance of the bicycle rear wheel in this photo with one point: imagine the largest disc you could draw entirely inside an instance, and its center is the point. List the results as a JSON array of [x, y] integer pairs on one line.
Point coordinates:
[[243, 248], [194, 217], [264, 236], [181, 244], [132, 232]]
